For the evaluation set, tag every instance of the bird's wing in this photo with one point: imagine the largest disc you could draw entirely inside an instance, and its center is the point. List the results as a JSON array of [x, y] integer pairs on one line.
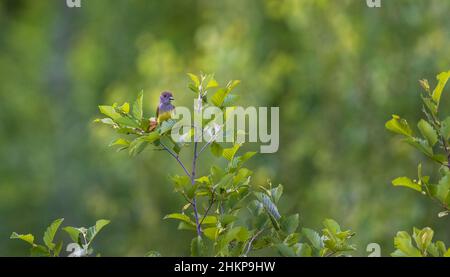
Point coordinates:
[[157, 112]]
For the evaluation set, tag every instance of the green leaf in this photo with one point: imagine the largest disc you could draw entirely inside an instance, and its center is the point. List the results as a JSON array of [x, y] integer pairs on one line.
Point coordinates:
[[106, 121], [285, 250], [125, 108], [270, 208], [290, 224], [233, 84], [442, 189], [119, 142], [126, 121], [198, 247], [445, 128], [39, 251], [430, 104], [137, 146], [225, 181], [182, 183], [421, 145], [166, 126], [29, 238], [181, 217], [203, 180], [229, 153], [58, 248], [94, 230], [428, 132], [399, 126], [219, 96], [242, 159], [442, 81], [110, 112], [332, 226], [313, 237], [50, 233], [137, 106], [237, 233], [403, 243], [447, 254], [151, 137], [292, 239], [212, 83], [423, 238], [407, 182], [276, 193], [227, 219], [194, 79], [216, 174], [303, 250], [211, 233], [216, 149], [210, 219], [73, 232]]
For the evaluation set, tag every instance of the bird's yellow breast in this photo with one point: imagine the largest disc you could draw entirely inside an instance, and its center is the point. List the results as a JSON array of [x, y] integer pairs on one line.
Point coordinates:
[[164, 116]]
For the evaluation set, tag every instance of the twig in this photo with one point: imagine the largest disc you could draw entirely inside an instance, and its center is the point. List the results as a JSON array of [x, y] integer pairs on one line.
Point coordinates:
[[249, 247], [209, 207], [209, 142], [194, 200], [176, 158]]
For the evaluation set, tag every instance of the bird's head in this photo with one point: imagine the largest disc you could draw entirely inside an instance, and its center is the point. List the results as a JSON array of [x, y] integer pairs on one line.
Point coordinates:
[[166, 97]]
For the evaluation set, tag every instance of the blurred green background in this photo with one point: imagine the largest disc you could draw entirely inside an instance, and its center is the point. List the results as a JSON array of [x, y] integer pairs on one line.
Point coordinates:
[[336, 69]]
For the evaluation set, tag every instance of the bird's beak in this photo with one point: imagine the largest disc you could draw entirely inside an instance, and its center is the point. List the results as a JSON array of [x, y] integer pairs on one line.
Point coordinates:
[[171, 98]]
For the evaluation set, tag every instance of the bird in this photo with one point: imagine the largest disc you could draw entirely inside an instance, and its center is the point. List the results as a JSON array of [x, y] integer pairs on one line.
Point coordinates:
[[163, 111]]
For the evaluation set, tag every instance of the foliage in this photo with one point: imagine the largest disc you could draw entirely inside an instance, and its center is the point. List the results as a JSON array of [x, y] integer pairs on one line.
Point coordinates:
[[334, 87], [82, 239], [424, 245], [216, 203], [433, 143]]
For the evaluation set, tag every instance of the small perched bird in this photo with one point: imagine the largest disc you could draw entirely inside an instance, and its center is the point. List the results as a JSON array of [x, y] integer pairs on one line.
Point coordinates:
[[163, 111]]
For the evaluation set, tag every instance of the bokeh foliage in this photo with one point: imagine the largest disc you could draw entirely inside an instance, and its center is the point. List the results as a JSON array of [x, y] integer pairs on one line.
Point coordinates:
[[336, 69]]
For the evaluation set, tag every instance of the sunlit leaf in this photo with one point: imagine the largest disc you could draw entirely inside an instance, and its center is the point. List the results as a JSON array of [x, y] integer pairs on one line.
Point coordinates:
[[407, 182], [29, 238], [442, 81], [427, 132], [137, 106], [50, 233], [399, 126]]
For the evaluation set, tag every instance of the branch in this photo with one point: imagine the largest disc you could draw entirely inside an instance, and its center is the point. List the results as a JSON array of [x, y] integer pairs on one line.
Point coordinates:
[[194, 200], [210, 141], [249, 247], [209, 207], [176, 158], [194, 166]]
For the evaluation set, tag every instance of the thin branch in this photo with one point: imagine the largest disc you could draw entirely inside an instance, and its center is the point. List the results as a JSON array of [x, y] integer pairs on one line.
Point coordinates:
[[194, 200], [249, 247], [209, 142], [211, 203], [176, 158], [186, 198]]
